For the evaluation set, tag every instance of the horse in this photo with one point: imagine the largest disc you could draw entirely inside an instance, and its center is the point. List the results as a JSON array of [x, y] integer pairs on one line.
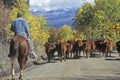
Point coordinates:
[[19, 49]]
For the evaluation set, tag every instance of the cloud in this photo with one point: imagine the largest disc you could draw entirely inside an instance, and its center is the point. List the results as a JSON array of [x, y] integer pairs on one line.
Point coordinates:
[[55, 4]]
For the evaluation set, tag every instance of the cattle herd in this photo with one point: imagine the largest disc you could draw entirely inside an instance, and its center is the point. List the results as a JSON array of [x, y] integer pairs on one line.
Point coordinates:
[[72, 49], [19, 49]]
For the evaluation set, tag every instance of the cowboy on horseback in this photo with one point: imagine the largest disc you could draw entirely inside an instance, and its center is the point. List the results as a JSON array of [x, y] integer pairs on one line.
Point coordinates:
[[20, 27]]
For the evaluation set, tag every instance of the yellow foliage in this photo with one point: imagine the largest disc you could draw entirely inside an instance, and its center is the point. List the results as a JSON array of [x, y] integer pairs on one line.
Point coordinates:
[[36, 25], [118, 1], [78, 35], [65, 33]]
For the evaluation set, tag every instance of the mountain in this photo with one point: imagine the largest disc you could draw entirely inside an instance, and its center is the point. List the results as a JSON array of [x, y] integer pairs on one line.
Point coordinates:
[[58, 17]]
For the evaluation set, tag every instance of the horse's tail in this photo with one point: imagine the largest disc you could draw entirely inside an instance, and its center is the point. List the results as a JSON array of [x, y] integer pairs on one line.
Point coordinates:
[[14, 46]]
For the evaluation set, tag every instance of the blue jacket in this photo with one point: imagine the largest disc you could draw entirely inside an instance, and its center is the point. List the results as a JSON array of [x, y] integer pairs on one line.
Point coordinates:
[[20, 27]]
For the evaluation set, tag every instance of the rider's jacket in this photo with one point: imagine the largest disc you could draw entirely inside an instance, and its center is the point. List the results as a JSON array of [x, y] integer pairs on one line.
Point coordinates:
[[20, 27]]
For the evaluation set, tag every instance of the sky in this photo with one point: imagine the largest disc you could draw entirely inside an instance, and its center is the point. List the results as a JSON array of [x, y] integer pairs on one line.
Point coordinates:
[[57, 4]]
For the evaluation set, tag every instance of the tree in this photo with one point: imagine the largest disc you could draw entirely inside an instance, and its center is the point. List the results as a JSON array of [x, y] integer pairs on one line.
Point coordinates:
[[4, 22], [11, 3], [8, 3], [54, 35], [77, 35], [102, 18], [110, 17], [83, 18], [65, 33]]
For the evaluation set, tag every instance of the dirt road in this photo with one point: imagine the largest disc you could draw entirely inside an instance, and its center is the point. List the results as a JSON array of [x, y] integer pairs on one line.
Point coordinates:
[[77, 69]]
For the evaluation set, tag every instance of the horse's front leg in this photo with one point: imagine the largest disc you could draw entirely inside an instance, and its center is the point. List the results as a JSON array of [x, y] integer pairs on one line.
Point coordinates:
[[21, 74]]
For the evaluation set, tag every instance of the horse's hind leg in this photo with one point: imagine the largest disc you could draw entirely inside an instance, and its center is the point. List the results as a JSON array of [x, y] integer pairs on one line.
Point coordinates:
[[13, 67], [22, 62]]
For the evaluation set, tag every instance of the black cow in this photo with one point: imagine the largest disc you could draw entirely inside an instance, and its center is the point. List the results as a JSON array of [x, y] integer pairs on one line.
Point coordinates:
[[118, 47]]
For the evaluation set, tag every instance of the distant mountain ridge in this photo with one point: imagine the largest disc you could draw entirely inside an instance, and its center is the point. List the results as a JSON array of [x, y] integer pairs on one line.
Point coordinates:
[[58, 17]]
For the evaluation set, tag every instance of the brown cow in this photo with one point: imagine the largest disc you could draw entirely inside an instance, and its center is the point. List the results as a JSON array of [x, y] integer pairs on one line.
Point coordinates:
[[63, 47], [104, 46], [60, 47], [19, 49], [81, 46], [107, 47], [78, 46], [89, 47], [70, 49]]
